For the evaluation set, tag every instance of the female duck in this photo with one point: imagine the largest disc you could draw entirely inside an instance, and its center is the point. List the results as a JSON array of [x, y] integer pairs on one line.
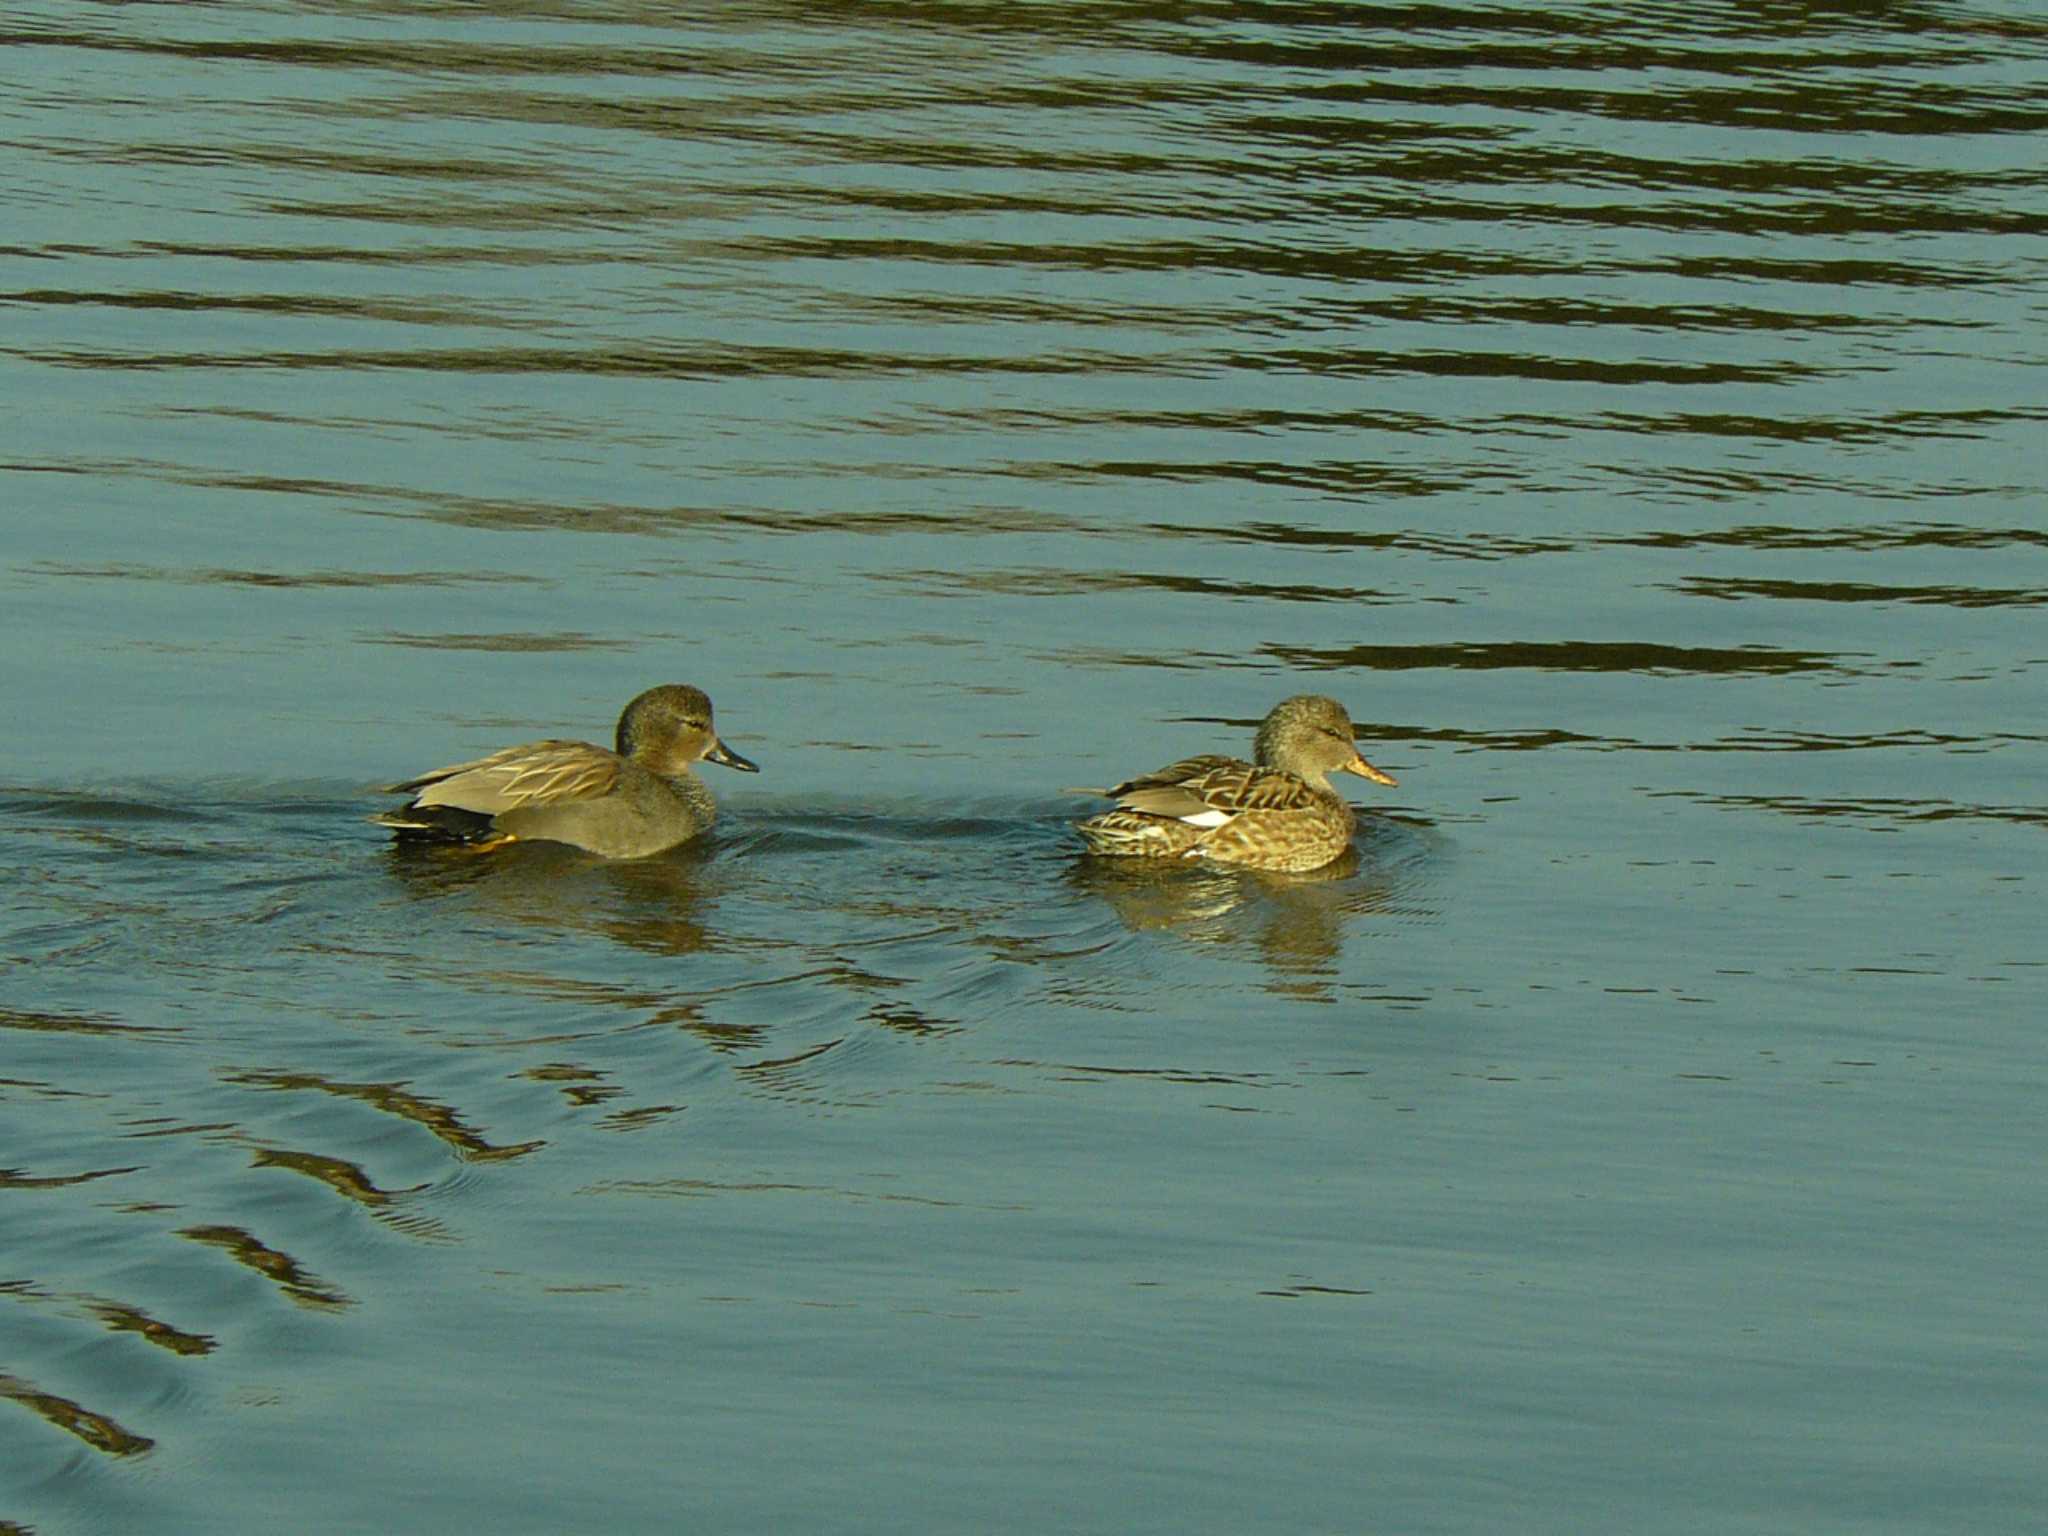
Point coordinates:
[[623, 804], [1276, 812]]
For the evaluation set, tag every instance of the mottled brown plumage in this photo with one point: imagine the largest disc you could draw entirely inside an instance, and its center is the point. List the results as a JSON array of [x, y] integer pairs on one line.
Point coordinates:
[[1276, 812], [638, 799]]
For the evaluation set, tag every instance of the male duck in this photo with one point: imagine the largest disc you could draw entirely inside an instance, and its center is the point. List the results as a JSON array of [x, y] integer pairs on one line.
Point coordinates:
[[623, 804], [1276, 812]]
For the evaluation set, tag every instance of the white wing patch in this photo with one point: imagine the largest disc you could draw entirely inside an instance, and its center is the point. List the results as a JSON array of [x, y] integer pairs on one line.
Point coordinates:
[[1208, 819]]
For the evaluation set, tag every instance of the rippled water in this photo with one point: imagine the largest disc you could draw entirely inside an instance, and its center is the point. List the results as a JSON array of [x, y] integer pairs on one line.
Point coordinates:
[[1633, 414]]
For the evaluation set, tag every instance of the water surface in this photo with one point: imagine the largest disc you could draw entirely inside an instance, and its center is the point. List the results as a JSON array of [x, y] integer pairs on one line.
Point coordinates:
[[1634, 416]]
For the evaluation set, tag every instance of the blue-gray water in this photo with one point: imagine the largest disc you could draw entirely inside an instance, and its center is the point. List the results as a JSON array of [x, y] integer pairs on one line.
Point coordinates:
[[1633, 413]]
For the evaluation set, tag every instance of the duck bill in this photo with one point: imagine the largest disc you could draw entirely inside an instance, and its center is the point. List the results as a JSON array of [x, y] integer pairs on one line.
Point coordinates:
[[721, 753], [1365, 770]]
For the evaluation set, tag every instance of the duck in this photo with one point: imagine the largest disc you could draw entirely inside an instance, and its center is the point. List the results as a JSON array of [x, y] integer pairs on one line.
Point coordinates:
[[638, 799], [1276, 812]]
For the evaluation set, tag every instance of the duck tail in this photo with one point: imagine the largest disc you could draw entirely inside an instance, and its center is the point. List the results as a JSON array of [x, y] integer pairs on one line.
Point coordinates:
[[1130, 834]]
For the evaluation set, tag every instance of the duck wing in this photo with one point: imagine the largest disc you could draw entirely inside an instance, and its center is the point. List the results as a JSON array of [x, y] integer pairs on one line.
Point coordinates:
[[1210, 790], [535, 774]]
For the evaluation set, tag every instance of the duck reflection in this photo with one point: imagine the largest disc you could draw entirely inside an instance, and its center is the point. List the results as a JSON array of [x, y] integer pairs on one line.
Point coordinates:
[[1294, 923], [657, 905]]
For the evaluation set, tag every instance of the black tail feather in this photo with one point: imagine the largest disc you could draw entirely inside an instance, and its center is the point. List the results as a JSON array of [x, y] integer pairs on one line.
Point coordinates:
[[436, 824]]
